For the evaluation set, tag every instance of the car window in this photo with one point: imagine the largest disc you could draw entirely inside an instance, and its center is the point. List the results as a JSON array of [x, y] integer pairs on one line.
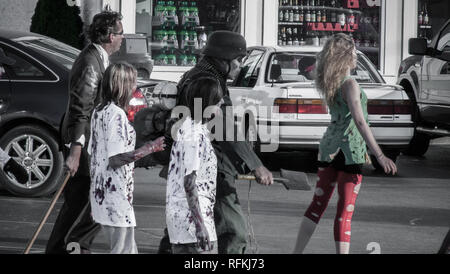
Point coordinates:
[[250, 68], [300, 67], [59, 52], [25, 68]]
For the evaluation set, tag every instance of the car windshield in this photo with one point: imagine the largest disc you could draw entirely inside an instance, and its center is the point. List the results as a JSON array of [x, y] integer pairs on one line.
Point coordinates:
[[300, 67], [61, 53]]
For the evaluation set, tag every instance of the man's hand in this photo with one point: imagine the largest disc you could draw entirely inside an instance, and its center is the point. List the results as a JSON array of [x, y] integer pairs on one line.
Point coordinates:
[[263, 176], [73, 161]]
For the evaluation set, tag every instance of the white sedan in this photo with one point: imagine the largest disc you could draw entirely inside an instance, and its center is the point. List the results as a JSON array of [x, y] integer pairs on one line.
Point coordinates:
[[282, 77]]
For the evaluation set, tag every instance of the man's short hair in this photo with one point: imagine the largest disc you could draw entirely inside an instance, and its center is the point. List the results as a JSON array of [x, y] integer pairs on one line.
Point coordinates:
[[103, 25]]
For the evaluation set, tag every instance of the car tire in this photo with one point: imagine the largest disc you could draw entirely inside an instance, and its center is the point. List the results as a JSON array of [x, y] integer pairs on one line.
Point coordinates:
[[418, 145], [35, 148], [390, 154]]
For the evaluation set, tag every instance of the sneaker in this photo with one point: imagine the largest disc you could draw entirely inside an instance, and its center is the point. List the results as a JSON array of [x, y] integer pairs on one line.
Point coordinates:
[[13, 169]]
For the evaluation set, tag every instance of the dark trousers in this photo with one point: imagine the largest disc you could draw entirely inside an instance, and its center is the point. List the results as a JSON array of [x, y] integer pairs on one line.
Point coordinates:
[[228, 219], [74, 222]]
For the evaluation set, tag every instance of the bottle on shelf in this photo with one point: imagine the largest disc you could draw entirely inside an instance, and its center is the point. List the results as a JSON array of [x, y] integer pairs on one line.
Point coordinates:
[[313, 16], [315, 39], [291, 15], [308, 13], [281, 16], [295, 41], [426, 19], [286, 15], [302, 15], [333, 15], [341, 16], [296, 15], [324, 13]]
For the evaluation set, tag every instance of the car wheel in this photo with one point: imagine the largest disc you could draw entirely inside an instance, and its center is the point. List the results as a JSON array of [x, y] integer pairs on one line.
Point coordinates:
[[390, 154], [36, 149], [418, 145]]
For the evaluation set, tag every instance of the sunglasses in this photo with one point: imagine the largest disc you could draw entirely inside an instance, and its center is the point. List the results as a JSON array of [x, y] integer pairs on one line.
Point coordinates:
[[118, 33]]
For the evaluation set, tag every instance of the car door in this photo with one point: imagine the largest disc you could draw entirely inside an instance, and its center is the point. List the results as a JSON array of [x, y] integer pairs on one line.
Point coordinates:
[[247, 78], [435, 80], [5, 89], [242, 89]]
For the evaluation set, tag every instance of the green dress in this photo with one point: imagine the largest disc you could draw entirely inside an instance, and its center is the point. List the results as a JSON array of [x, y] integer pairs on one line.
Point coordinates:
[[342, 134]]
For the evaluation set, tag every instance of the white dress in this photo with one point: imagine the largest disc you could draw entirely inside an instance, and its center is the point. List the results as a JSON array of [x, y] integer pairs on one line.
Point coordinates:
[[111, 192], [191, 152]]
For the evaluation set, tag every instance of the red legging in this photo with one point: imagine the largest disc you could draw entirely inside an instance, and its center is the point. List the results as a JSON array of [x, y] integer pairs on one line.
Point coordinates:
[[348, 188]]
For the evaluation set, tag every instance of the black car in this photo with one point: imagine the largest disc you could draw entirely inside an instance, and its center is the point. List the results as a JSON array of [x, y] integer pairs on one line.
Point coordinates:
[[33, 100]]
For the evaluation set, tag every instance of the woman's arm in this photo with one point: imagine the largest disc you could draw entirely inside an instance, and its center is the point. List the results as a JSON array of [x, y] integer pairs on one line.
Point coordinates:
[[119, 160], [194, 206], [352, 95]]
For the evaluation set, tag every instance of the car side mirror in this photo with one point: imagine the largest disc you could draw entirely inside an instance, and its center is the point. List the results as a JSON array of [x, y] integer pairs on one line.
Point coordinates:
[[275, 72], [417, 46]]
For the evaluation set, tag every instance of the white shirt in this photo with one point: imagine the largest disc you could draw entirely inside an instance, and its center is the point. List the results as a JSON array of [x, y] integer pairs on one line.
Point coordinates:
[[111, 192], [191, 152], [103, 55]]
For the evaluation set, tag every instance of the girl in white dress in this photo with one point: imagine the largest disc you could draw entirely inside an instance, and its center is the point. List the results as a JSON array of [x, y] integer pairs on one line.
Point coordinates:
[[112, 151]]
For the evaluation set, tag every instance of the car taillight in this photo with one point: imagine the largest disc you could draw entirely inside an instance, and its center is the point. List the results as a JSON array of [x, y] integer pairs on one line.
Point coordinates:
[[311, 107], [402, 107], [300, 106], [137, 103], [388, 107]]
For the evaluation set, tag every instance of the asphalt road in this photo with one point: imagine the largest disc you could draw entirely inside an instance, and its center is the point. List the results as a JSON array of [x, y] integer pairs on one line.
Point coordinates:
[[405, 214]]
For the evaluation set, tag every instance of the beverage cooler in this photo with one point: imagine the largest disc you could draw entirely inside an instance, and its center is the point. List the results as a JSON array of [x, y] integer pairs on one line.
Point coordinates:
[[311, 22], [179, 29]]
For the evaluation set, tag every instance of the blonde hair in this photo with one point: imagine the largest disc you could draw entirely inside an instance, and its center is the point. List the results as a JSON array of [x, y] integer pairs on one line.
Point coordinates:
[[332, 65], [117, 84]]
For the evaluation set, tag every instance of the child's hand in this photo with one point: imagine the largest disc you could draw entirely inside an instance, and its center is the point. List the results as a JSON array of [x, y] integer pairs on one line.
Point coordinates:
[[203, 240], [158, 144]]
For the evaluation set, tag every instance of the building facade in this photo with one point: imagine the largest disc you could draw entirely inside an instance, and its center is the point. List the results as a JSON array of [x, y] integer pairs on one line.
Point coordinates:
[[176, 29]]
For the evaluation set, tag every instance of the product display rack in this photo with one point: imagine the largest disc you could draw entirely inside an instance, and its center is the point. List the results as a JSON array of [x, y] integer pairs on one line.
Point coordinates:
[[180, 28], [311, 22]]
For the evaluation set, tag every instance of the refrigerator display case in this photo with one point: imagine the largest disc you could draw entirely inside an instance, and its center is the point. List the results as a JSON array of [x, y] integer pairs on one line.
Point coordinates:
[[311, 22], [180, 28]]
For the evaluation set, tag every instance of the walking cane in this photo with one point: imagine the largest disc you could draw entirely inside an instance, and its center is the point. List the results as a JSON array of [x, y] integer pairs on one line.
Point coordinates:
[[55, 198]]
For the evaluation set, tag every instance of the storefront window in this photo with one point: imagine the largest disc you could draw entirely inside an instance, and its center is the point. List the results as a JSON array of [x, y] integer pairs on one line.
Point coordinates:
[[432, 16], [311, 22], [178, 29]]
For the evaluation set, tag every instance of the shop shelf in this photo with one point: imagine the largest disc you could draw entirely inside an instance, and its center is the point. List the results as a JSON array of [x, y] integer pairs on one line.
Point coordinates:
[[332, 27], [291, 23], [425, 27]]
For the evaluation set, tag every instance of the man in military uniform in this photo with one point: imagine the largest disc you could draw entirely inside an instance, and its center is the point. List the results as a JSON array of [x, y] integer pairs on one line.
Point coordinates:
[[223, 54]]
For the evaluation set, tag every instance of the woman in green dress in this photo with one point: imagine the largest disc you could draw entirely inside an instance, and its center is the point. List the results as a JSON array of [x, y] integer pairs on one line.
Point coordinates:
[[342, 150]]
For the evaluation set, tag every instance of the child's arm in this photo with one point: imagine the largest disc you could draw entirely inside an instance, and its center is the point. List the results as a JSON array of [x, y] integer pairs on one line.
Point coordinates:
[[119, 160], [192, 199]]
